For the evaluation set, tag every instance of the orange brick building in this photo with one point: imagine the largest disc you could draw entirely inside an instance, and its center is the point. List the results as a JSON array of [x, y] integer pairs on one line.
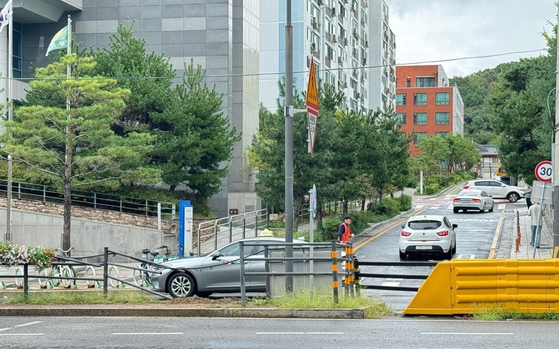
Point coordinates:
[[426, 104]]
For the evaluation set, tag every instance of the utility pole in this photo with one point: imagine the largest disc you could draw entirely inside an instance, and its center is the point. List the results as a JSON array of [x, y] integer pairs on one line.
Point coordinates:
[[288, 109], [555, 160]]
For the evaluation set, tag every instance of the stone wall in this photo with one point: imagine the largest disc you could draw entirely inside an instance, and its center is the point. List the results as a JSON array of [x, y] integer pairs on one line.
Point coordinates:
[[168, 226]]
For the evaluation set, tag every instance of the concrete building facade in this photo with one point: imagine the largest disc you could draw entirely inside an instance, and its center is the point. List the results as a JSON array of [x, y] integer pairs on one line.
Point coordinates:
[[426, 104], [349, 40], [222, 36]]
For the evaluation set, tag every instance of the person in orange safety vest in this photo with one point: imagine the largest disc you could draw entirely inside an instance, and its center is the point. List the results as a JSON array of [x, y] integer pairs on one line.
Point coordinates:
[[344, 232]]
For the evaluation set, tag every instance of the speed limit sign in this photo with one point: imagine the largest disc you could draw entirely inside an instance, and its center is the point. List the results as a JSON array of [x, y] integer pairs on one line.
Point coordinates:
[[544, 171]]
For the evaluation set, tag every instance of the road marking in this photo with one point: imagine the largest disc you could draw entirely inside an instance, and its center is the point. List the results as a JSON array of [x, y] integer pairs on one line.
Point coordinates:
[[29, 324], [21, 334], [501, 206], [471, 333], [383, 232], [461, 256], [495, 239], [145, 333], [419, 206], [391, 283], [301, 333]]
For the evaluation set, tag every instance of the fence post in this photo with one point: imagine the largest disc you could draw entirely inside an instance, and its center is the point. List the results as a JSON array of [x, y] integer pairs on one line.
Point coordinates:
[[350, 269], [256, 224], [334, 256], [230, 225], [158, 216], [242, 265], [267, 270], [244, 224], [44, 193], [356, 274], [173, 211], [215, 234], [147, 208], [105, 270], [347, 270], [19, 190], [94, 200], [26, 281]]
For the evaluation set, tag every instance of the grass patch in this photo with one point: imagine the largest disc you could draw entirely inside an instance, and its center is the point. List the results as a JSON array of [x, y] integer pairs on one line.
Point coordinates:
[[499, 311], [324, 300], [81, 298]]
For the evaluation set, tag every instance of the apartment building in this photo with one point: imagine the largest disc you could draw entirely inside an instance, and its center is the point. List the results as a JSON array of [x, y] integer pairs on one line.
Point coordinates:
[[350, 41], [220, 35], [426, 104]]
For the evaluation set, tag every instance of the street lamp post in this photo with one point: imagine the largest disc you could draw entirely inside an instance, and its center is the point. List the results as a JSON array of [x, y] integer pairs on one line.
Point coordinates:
[[555, 153]]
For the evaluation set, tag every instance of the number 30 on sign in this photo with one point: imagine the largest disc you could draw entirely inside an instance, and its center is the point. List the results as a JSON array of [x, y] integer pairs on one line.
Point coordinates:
[[544, 171]]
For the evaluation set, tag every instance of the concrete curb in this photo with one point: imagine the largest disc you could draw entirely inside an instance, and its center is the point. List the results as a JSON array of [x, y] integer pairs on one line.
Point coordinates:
[[177, 311]]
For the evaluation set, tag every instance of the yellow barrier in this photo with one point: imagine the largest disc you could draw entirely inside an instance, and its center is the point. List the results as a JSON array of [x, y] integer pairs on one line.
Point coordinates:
[[466, 286]]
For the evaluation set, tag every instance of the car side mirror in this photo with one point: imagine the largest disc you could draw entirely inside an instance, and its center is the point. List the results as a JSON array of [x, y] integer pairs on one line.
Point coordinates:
[[216, 256], [454, 226], [403, 226]]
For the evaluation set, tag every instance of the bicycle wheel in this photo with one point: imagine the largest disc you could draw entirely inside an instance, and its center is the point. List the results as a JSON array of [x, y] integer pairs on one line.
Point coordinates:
[[67, 272], [89, 273], [138, 278], [114, 277], [19, 280]]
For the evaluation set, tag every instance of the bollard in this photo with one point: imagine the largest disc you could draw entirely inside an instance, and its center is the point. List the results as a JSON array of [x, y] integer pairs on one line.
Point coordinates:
[[105, 270], [356, 275], [517, 232], [334, 255]]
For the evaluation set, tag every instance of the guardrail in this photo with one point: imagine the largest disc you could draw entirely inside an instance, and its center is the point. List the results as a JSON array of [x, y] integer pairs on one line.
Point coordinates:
[[348, 274], [216, 233], [102, 201]]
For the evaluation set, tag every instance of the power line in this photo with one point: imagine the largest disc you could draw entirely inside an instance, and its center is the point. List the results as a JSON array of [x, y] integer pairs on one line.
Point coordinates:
[[305, 72]]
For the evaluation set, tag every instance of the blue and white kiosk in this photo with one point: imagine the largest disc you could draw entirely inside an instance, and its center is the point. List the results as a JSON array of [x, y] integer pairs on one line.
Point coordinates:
[[186, 217]]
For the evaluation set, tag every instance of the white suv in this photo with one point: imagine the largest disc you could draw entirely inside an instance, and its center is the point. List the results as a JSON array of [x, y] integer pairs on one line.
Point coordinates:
[[496, 189]]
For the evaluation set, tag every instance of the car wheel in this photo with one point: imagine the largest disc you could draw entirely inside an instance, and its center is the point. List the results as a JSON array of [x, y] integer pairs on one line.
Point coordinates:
[[403, 256], [455, 210], [181, 285], [454, 249], [448, 255], [491, 209], [513, 197], [482, 210]]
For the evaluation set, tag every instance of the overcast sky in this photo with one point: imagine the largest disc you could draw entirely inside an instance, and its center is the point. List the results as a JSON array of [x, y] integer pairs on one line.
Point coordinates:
[[430, 30]]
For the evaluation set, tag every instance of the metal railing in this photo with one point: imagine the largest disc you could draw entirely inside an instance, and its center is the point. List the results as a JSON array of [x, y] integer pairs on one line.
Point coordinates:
[[102, 201], [392, 276], [213, 234]]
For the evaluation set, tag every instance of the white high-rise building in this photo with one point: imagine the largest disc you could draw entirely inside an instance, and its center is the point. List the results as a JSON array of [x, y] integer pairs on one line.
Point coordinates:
[[350, 41]]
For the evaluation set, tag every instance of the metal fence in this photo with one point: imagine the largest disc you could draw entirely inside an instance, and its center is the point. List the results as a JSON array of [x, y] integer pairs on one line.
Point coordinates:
[[102, 201], [216, 233]]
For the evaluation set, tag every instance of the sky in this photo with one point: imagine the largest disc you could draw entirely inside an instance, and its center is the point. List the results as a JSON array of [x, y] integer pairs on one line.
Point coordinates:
[[435, 30]]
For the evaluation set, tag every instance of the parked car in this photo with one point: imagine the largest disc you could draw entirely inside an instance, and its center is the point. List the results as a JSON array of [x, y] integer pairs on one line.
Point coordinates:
[[427, 234], [496, 189], [472, 200], [218, 271]]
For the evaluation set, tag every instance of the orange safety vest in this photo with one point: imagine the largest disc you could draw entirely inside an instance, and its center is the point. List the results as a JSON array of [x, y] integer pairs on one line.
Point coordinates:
[[346, 236]]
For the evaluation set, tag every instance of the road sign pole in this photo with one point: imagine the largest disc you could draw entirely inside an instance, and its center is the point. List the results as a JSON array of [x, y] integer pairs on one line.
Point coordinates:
[[555, 158], [289, 211]]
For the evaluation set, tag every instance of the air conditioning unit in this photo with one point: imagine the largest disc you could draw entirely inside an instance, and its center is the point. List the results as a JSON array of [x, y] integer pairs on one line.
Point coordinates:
[[313, 47], [340, 61], [333, 38], [333, 11], [366, 43], [314, 23], [364, 61], [345, 41]]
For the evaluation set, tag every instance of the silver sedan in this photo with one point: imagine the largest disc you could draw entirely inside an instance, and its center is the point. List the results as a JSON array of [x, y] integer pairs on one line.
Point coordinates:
[[218, 271], [473, 200]]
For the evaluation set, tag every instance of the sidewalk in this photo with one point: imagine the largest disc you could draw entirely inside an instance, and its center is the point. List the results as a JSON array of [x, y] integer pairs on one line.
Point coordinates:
[[525, 251]]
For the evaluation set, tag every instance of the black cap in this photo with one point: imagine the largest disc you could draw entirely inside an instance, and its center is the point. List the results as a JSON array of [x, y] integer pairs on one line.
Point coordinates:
[[347, 217]]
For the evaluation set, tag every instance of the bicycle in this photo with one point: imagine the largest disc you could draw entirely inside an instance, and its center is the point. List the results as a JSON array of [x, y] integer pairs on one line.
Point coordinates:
[[64, 271], [142, 278]]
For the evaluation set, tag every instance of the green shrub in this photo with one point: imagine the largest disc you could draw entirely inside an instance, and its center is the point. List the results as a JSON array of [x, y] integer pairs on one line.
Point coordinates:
[[360, 221], [329, 229], [388, 207], [432, 189], [405, 202], [435, 178]]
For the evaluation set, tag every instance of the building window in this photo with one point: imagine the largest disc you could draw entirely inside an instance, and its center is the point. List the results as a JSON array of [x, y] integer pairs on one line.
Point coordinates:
[[408, 82], [425, 82], [17, 60], [401, 118], [442, 98], [441, 118], [441, 134], [420, 99], [418, 137], [420, 118], [401, 98]]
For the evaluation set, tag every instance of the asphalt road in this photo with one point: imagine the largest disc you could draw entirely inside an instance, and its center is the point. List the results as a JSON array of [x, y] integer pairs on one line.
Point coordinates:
[[476, 236], [101, 332]]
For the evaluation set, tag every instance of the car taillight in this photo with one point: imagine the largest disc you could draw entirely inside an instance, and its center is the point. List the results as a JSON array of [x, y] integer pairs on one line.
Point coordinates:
[[476, 200], [405, 233], [466, 187], [456, 200], [443, 233]]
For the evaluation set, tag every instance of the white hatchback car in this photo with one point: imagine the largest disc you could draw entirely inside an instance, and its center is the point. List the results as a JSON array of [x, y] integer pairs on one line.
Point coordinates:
[[428, 234], [497, 190]]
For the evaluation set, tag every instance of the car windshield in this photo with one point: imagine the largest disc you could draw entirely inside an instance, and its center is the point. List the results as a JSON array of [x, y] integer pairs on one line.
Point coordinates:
[[424, 224], [470, 193]]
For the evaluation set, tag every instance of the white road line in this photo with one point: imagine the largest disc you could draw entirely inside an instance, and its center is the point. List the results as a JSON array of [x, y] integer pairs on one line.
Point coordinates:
[[301, 333], [470, 333], [145, 333], [501, 206], [419, 206], [433, 198], [21, 334], [391, 283], [29, 324]]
